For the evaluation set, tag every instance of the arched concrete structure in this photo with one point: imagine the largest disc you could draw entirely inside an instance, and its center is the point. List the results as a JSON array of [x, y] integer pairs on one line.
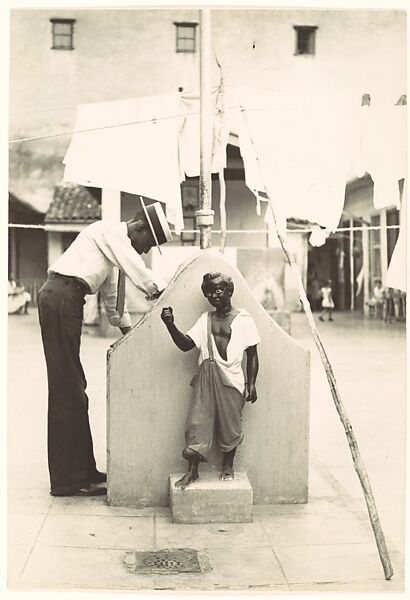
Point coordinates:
[[148, 395]]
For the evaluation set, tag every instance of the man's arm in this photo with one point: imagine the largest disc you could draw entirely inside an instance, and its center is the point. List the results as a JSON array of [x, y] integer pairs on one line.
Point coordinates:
[[119, 251], [108, 292], [252, 368], [184, 342]]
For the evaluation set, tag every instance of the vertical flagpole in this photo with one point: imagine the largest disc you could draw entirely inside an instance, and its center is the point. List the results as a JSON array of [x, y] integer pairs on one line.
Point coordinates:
[[205, 214], [351, 258]]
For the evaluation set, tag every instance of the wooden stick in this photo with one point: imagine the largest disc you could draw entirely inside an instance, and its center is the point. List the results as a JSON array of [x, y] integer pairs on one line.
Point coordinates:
[[354, 449]]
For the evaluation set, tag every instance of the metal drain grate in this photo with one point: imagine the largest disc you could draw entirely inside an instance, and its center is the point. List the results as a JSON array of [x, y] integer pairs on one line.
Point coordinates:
[[180, 560]]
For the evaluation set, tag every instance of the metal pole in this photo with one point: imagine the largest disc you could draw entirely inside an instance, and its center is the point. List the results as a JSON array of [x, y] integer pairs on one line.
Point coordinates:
[[366, 286], [205, 214], [351, 257], [383, 244]]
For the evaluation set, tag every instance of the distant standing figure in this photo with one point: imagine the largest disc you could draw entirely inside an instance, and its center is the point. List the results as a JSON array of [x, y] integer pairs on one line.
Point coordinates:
[[327, 301], [18, 298], [219, 388], [378, 295]]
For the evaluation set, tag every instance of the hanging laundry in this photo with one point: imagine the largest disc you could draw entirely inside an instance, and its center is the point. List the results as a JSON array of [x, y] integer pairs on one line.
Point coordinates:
[[318, 236], [397, 271], [381, 150], [189, 141], [134, 148], [299, 148]]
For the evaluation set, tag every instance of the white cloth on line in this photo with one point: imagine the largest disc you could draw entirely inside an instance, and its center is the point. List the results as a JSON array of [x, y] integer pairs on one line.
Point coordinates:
[[381, 149], [302, 149], [189, 140], [299, 149], [318, 236], [135, 150]]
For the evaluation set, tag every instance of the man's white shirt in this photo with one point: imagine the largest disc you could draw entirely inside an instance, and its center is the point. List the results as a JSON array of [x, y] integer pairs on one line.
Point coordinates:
[[93, 256]]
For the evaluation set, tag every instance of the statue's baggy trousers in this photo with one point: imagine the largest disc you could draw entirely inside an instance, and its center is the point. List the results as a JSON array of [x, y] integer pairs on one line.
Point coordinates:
[[70, 448], [215, 410]]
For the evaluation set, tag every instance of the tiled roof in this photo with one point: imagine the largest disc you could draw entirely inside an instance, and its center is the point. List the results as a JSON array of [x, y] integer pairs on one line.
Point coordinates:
[[73, 203]]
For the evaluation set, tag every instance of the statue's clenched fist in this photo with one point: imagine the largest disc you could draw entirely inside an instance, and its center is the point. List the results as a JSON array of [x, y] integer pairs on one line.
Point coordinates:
[[167, 315]]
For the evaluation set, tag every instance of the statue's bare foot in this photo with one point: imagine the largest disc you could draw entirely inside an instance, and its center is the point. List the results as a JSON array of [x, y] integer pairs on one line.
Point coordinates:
[[227, 474], [186, 480]]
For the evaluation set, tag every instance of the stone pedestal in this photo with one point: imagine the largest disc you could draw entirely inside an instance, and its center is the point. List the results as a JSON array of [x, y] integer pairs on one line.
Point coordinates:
[[149, 395], [210, 500]]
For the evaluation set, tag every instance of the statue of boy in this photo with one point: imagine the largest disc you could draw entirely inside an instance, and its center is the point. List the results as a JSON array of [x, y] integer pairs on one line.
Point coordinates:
[[219, 389]]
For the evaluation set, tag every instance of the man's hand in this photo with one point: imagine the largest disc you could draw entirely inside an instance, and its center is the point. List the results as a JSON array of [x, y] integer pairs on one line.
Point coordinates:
[[167, 315], [250, 393], [154, 295]]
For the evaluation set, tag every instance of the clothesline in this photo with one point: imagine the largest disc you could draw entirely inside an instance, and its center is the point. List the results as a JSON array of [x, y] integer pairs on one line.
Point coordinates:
[[246, 231], [151, 120], [65, 106]]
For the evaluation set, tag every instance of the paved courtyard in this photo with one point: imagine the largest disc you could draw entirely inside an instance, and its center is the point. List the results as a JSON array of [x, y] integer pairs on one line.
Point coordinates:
[[326, 545]]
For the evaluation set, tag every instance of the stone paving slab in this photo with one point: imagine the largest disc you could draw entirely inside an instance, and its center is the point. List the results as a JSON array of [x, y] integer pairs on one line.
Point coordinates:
[[357, 587], [96, 506], [328, 563], [230, 568], [17, 557], [24, 529], [317, 505], [80, 568], [36, 503], [312, 529], [89, 531], [214, 535]]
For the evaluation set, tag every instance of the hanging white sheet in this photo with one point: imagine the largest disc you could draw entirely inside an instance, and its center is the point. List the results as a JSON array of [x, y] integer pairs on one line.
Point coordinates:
[[381, 151], [134, 149], [300, 149]]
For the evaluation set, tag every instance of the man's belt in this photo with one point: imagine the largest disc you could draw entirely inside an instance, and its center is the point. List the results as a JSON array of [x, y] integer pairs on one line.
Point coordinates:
[[79, 283]]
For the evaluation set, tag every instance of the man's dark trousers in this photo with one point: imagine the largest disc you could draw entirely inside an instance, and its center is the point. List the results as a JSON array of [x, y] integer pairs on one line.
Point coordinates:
[[70, 448]]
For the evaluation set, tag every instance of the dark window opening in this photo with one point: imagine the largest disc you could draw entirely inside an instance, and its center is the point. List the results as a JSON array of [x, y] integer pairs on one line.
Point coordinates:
[[392, 219], [62, 31], [305, 39], [186, 37], [190, 204]]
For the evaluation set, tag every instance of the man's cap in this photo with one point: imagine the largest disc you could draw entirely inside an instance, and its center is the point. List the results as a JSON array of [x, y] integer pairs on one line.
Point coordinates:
[[157, 222]]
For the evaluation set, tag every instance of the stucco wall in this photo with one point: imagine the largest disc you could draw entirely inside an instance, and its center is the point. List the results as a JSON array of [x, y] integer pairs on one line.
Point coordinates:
[[148, 395]]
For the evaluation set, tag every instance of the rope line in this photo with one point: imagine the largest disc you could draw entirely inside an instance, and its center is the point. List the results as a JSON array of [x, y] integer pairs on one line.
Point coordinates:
[[152, 119], [66, 106], [218, 231]]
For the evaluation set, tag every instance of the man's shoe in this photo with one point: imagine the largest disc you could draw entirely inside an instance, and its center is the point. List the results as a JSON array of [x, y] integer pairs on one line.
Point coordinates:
[[91, 490], [98, 477], [321, 319]]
